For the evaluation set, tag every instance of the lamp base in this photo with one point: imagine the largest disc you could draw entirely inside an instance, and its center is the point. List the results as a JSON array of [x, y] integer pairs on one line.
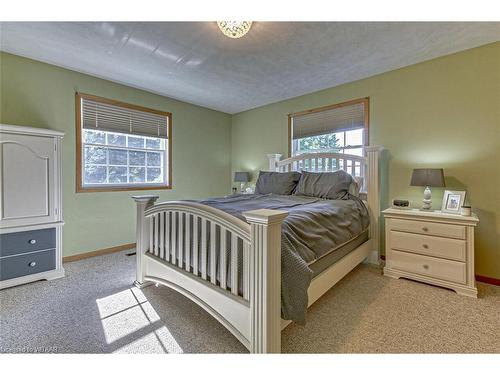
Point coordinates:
[[427, 202]]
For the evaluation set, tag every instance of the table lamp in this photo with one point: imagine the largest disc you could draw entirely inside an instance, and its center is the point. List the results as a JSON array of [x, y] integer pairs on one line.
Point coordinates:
[[242, 178], [428, 177]]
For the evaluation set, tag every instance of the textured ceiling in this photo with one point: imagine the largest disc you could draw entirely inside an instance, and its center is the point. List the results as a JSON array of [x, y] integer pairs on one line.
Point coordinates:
[[194, 62]]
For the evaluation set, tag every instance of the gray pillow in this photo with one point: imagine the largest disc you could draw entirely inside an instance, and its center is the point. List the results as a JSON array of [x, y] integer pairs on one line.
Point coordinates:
[[327, 185], [282, 183]]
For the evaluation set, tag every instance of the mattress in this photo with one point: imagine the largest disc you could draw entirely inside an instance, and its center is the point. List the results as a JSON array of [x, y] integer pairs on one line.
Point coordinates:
[[337, 253]]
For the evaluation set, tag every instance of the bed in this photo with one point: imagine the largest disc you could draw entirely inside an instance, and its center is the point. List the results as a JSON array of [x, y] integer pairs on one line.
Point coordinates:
[[227, 254]]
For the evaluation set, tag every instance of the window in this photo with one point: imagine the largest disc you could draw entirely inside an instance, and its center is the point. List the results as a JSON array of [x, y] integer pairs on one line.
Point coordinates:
[[340, 128], [121, 146]]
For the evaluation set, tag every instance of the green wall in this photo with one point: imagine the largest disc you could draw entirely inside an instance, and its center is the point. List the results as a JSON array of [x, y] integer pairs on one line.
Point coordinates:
[[441, 113], [41, 95]]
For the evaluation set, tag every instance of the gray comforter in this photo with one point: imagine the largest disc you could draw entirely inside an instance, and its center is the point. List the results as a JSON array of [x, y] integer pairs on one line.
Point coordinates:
[[313, 227]]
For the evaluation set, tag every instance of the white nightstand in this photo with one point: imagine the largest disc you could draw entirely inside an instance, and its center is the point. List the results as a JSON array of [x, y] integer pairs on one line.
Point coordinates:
[[432, 247]]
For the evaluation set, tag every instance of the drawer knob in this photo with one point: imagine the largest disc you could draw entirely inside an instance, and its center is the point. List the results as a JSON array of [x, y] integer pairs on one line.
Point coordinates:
[[32, 264], [426, 267], [425, 229], [425, 246], [32, 242]]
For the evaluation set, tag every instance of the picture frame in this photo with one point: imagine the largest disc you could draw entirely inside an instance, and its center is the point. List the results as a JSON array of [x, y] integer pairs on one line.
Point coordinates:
[[453, 200]]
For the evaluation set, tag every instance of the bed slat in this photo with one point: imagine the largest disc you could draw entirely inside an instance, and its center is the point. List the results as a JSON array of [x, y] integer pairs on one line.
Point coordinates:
[[156, 231], [180, 236], [167, 236], [234, 264], [195, 245], [187, 242], [223, 259], [213, 256], [204, 248], [151, 229], [162, 235], [174, 238]]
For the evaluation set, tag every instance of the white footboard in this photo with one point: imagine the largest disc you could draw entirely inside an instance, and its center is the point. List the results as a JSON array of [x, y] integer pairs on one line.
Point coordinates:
[[230, 268]]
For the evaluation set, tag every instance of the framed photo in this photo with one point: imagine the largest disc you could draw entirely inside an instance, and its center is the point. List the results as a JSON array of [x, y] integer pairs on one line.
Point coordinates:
[[453, 201]]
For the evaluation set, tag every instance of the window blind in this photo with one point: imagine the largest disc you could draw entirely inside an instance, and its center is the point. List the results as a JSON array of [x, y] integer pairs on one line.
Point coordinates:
[[338, 119], [107, 117]]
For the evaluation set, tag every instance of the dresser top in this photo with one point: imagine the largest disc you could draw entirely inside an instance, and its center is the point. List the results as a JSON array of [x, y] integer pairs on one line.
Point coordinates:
[[416, 213]]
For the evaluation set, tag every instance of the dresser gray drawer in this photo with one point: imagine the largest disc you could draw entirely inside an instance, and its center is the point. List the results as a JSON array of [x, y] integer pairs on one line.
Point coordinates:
[[27, 264], [24, 242]]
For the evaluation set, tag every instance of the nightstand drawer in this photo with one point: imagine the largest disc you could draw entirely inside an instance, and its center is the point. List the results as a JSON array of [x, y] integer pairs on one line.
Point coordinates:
[[429, 228], [443, 269], [440, 247]]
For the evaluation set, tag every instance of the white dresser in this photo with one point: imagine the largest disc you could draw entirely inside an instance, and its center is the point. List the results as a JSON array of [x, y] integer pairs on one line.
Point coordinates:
[[30, 205], [432, 247]]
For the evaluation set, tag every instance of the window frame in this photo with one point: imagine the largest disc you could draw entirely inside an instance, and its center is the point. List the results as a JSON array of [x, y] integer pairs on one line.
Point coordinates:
[[366, 119], [80, 187]]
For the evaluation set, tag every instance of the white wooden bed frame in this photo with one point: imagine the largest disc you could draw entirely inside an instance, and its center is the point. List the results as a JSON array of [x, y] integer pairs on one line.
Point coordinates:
[[255, 316]]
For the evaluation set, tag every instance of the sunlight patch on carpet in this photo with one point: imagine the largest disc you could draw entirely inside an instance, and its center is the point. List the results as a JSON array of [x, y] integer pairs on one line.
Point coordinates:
[[131, 324]]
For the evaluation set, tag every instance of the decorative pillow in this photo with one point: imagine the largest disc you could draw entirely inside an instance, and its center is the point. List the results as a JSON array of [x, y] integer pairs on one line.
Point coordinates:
[[282, 183], [326, 185]]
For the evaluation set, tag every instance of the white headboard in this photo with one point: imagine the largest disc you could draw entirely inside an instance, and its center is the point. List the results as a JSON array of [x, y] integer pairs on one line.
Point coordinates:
[[366, 168]]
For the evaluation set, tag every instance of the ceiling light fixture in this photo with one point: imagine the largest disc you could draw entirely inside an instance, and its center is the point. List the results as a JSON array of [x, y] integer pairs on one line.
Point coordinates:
[[234, 29]]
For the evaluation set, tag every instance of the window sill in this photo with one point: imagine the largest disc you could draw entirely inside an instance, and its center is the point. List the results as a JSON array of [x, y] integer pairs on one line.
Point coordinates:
[[93, 189]]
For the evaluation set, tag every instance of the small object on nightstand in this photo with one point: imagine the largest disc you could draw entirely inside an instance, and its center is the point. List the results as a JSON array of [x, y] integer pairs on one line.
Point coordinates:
[[242, 178], [432, 247], [466, 211], [428, 177], [400, 203], [453, 201]]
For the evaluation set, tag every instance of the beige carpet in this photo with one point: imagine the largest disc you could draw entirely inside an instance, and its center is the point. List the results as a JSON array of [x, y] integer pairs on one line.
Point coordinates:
[[369, 313], [94, 309]]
